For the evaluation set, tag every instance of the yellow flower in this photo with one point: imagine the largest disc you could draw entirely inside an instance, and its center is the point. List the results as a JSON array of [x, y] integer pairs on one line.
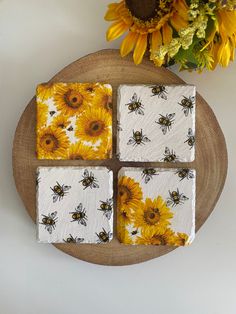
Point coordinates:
[[52, 143], [72, 98], [93, 125], [158, 28], [105, 149], [79, 151], [42, 114], [123, 235], [129, 194], [180, 239], [103, 97], [124, 216], [153, 214], [45, 91], [60, 121], [156, 237]]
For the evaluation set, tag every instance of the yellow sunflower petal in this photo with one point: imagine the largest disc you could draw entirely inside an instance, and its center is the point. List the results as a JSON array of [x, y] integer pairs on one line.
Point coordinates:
[[111, 13], [128, 43], [178, 22], [167, 34], [156, 40], [182, 8], [140, 48], [225, 54], [116, 30]]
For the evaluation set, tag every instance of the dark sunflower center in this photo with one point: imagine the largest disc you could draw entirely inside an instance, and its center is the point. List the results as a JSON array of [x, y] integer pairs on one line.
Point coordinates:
[[152, 216], [96, 128], [73, 99], [49, 142], [160, 240]]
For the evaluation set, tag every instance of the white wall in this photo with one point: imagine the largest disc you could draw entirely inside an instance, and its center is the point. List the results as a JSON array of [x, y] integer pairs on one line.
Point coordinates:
[[37, 39]]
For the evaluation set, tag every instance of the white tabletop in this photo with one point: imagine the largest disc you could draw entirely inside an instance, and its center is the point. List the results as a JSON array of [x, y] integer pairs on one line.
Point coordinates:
[[38, 38]]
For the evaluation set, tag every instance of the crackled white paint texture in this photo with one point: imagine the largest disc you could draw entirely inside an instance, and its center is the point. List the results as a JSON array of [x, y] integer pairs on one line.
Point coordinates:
[[156, 123], [71, 204], [154, 183]]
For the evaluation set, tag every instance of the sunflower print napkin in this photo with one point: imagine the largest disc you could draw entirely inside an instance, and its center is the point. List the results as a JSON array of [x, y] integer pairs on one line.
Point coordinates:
[[74, 121], [156, 206]]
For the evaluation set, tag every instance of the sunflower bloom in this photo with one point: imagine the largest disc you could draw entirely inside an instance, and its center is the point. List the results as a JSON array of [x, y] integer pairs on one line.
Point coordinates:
[[172, 16], [79, 151], [94, 125], [129, 194], [152, 214], [52, 143], [156, 237], [45, 91], [123, 235], [42, 114], [103, 97], [181, 239], [60, 121]]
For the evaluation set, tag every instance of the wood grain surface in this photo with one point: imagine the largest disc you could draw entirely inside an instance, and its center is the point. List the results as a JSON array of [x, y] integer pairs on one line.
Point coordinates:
[[108, 66]]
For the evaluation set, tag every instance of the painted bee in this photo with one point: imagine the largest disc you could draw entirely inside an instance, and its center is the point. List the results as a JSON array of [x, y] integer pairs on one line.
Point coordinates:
[[148, 173], [134, 232], [49, 221], [103, 236], [166, 122], [72, 239], [89, 180], [169, 156], [184, 173], [159, 90], [59, 191], [135, 105], [190, 138], [70, 128], [176, 198], [52, 113], [106, 208], [187, 104], [138, 138], [79, 215]]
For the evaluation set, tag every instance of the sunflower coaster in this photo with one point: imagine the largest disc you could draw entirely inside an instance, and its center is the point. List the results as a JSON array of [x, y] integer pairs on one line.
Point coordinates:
[[156, 123], [156, 206], [74, 121], [74, 204]]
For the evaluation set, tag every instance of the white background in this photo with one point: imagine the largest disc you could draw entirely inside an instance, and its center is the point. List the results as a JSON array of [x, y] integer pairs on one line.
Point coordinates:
[[37, 39]]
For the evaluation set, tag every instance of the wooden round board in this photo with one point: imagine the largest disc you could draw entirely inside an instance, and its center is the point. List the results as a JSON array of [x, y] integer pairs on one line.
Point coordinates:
[[108, 66]]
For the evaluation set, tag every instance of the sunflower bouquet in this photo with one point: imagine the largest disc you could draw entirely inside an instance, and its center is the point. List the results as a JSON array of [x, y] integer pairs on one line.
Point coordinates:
[[195, 34]]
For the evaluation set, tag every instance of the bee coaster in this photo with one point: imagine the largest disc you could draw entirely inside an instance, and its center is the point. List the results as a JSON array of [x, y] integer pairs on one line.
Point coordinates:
[[156, 206], [74, 121], [156, 123], [74, 204]]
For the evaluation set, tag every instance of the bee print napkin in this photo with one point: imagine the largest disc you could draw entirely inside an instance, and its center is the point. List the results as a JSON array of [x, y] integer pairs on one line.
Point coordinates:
[[74, 204], [156, 123], [156, 206], [74, 121]]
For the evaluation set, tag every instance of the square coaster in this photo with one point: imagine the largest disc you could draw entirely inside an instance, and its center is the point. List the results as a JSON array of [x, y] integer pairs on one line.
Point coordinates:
[[156, 206], [74, 204], [74, 121], [156, 123]]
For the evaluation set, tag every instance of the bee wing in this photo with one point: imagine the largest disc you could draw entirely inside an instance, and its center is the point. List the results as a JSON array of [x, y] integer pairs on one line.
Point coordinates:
[[53, 215], [131, 141], [190, 132], [55, 198], [167, 151], [163, 96], [108, 214], [171, 115], [66, 187], [79, 240], [169, 202], [95, 185], [185, 198], [83, 222], [191, 175], [49, 229], [164, 129], [86, 173], [147, 179], [134, 97], [110, 201], [79, 207], [146, 139], [186, 112], [140, 111]]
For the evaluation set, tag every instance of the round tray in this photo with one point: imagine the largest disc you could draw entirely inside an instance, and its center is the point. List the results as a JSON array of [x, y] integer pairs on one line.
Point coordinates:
[[108, 66]]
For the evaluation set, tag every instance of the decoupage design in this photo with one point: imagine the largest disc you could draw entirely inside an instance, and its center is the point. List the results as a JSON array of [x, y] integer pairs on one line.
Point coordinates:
[[74, 204], [156, 206], [156, 123], [74, 121]]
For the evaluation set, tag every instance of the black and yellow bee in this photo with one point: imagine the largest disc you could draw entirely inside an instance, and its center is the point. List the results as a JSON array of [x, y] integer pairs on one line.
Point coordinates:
[[72, 239], [187, 104], [70, 128], [184, 173], [52, 113], [148, 173], [106, 207], [170, 156], [89, 180], [79, 215], [176, 198], [59, 191], [166, 122], [159, 90], [49, 221], [190, 138], [138, 138], [134, 232], [103, 236], [135, 105]]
